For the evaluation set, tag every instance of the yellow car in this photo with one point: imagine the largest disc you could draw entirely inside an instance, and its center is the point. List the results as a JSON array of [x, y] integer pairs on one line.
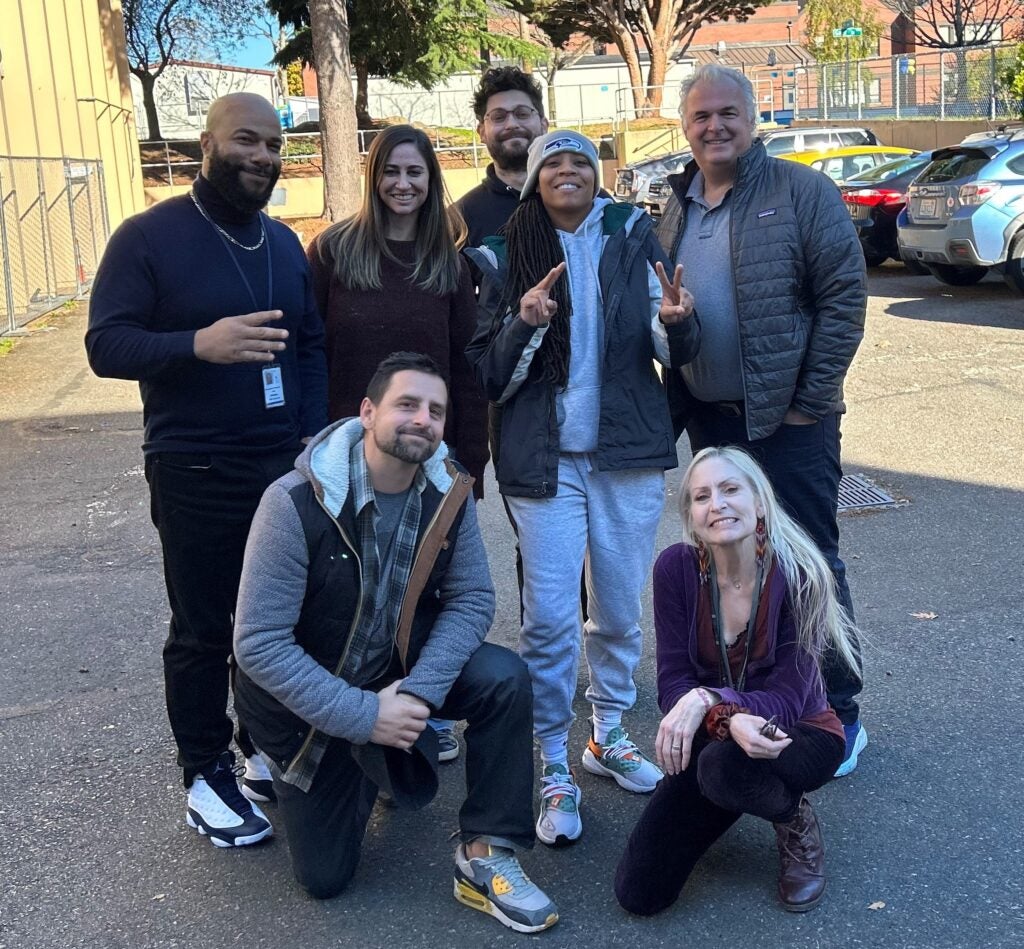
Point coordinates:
[[843, 163]]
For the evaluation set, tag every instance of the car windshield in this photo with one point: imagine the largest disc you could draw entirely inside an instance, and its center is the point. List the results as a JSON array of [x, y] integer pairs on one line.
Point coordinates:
[[892, 168]]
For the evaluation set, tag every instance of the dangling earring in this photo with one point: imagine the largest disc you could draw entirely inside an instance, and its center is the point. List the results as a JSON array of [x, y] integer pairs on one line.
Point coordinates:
[[703, 562], [760, 541]]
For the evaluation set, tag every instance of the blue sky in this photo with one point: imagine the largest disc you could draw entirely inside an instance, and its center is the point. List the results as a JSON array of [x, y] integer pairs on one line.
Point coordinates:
[[255, 54]]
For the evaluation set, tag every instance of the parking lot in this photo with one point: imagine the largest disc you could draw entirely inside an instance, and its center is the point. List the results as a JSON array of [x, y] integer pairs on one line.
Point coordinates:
[[924, 842]]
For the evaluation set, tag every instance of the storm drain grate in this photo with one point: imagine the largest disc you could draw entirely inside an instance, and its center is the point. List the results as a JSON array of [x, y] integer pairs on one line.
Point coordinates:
[[856, 491]]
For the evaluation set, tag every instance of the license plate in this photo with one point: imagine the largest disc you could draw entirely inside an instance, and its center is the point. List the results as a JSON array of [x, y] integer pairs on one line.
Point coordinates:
[[928, 207]]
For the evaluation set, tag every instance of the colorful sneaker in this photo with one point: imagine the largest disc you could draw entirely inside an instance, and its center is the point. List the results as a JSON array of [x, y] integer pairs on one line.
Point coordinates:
[[497, 885], [856, 742], [257, 781], [447, 743], [217, 809], [620, 758], [559, 821]]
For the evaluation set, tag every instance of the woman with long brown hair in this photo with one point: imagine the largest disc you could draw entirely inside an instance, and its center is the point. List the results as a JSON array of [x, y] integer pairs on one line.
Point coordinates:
[[390, 278]]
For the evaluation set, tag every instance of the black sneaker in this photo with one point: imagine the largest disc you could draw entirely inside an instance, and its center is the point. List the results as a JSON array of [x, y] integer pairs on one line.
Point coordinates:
[[257, 781], [217, 809]]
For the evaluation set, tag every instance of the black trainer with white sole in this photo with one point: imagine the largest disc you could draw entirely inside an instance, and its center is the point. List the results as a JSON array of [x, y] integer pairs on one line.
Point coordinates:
[[218, 810]]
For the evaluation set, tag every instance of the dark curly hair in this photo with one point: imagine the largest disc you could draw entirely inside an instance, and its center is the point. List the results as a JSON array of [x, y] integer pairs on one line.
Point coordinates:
[[506, 79]]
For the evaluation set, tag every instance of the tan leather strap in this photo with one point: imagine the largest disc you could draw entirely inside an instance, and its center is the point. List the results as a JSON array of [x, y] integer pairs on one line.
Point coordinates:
[[434, 541]]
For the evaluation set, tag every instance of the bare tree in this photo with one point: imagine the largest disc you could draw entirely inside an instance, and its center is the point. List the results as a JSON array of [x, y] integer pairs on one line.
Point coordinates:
[[328, 24], [663, 29], [949, 24], [157, 30]]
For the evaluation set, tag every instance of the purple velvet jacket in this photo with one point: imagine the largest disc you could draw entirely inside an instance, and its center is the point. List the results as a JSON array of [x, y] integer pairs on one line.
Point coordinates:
[[784, 682]]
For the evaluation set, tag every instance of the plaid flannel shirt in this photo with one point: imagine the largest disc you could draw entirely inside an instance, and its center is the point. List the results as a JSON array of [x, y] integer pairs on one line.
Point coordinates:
[[388, 597]]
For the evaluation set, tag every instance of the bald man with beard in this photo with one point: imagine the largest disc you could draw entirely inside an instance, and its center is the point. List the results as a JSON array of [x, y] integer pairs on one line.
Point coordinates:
[[208, 303]]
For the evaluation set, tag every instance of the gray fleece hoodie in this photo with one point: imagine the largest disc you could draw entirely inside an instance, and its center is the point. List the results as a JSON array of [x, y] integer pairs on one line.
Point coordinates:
[[273, 587]]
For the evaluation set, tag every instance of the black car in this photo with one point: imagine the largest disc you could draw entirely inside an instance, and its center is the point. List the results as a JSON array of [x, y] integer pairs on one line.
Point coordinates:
[[875, 199]]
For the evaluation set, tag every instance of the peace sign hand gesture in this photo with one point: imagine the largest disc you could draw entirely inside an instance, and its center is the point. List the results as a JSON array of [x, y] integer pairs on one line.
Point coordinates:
[[676, 300], [536, 307]]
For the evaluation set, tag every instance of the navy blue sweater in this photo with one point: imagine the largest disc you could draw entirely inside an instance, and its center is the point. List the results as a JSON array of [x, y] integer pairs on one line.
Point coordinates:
[[167, 273]]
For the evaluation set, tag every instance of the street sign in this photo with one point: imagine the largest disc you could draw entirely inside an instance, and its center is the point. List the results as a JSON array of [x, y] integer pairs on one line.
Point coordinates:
[[853, 31], [837, 34]]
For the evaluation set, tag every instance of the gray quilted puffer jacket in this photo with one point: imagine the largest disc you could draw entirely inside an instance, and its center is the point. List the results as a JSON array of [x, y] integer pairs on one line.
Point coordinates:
[[801, 288]]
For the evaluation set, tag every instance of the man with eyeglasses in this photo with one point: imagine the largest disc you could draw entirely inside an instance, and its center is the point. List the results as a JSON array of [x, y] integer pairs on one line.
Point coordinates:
[[509, 110]]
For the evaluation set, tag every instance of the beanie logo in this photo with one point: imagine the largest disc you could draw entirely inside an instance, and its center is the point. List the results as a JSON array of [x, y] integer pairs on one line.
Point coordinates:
[[562, 144]]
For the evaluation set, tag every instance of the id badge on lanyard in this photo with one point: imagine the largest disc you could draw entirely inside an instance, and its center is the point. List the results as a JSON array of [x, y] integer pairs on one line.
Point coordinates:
[[271, 376]]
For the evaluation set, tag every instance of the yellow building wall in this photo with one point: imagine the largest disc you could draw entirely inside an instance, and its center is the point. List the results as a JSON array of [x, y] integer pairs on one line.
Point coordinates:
[[65, 91]]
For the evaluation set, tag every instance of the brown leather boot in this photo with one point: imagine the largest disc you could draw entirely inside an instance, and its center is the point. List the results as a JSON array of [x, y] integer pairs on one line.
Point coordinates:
[[802, 860]]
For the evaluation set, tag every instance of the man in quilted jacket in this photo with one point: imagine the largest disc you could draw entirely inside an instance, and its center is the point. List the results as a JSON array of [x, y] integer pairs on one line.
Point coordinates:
[[774, 265]]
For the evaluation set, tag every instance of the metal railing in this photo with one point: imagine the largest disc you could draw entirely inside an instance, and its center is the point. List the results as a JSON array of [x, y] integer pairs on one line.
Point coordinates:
[[303, 148], [53, 228]]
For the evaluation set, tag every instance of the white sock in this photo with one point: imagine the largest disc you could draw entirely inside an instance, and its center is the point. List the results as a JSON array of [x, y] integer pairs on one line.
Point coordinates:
[[604, 720], [554, 751]]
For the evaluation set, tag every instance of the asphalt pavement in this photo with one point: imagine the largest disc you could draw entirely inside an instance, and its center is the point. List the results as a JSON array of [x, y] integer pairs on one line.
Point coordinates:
[[924, 840]]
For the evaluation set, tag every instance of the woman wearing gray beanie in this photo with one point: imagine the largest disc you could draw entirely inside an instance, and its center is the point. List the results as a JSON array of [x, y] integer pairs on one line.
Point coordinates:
[[575, 307]]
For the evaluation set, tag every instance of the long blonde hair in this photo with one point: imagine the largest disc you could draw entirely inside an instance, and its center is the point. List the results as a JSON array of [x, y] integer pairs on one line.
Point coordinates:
[[353, 248], [821, 621]]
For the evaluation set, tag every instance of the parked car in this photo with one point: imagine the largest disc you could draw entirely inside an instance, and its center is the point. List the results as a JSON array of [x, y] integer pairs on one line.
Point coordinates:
[[632, 182], [645, 184], [784, 141], [832, 163], [875, 199], [849, 162], [965, 211]]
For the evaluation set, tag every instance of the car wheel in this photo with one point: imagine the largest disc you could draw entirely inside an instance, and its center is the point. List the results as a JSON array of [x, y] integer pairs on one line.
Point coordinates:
[[1014, 273], [915, 266], [957, 276]]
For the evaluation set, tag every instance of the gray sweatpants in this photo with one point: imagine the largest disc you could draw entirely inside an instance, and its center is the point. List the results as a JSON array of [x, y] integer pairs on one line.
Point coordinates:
[[606, 520]]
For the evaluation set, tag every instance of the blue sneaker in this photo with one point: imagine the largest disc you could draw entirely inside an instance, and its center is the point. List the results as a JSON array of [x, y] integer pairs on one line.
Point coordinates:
[[856, 742]]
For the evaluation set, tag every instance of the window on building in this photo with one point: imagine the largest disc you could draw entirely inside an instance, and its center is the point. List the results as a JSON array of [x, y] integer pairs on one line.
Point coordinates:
[[195, 102], [974, 33]]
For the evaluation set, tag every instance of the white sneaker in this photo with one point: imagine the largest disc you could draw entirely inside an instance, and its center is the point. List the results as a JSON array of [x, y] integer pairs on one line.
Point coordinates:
[[258, 782], [559, 821], [217, 809], [619, 758]]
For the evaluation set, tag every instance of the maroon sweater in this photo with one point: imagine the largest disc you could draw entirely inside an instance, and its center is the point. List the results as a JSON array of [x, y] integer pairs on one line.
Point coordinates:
[[362, 327]]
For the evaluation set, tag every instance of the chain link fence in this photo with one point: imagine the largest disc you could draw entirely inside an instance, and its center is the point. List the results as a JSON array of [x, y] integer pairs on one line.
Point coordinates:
[[962, 83], [53, 228]]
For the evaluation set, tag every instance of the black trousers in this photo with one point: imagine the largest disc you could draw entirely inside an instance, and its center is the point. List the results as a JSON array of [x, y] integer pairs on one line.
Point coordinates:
[[202, 506], [688, 812], [325, 826], [803, 465]]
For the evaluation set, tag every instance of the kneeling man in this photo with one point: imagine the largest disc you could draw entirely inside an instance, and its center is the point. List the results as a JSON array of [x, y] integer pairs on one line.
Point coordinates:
[[363, 607]]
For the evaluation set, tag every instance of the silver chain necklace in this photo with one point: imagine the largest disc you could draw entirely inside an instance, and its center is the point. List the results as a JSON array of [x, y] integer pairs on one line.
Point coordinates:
[[223, 233]]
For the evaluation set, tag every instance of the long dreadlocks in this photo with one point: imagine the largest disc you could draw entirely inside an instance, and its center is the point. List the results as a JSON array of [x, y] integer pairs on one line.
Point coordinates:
[[533, 250]]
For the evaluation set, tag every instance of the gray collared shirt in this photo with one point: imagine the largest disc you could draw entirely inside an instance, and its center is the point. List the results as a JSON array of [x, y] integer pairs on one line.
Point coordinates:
[[705, 251]]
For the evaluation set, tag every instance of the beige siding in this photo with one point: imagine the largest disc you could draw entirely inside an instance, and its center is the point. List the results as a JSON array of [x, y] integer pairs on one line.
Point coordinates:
[[65, 91]]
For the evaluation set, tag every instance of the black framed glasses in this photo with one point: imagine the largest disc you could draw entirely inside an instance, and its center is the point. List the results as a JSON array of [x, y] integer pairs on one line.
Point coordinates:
[[521, 113]]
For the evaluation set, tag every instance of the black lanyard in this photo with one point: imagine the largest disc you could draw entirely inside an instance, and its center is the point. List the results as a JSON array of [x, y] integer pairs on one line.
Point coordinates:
[[716, 625], [245, 279]]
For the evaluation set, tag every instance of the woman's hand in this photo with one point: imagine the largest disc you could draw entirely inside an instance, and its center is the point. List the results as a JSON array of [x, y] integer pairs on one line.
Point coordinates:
[[746, 732], [536, 306], [676, 300], [675, 733]]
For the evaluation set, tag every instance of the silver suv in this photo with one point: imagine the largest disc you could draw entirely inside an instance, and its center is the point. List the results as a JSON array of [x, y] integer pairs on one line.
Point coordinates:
[[965, 211]]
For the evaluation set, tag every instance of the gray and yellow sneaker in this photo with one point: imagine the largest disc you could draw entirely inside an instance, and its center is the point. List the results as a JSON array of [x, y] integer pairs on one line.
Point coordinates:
[[497, 885], [559, 821], [619, 758]]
